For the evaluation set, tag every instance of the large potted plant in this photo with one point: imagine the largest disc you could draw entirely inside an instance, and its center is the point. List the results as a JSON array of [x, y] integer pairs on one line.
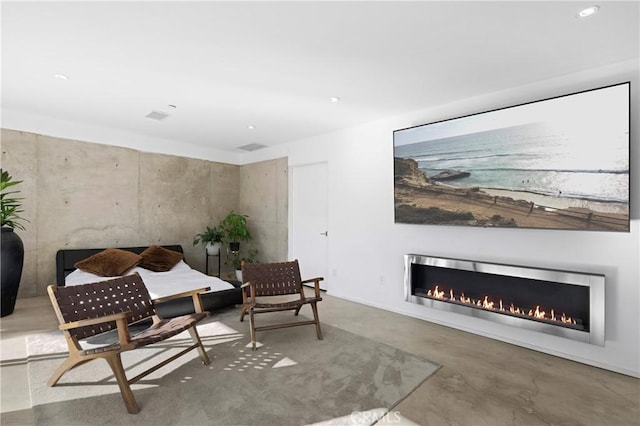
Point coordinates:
[[211, 240], [235, 229], [11, 249]]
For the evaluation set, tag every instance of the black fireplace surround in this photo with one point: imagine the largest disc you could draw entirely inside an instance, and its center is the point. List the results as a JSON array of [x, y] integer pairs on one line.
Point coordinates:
[[562, 303]]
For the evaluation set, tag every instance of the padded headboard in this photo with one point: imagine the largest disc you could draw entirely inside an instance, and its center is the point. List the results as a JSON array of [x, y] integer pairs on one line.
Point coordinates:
[[65, 259]]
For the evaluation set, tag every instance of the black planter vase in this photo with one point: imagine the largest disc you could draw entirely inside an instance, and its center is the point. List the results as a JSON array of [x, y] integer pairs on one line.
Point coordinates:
[[11, 261]]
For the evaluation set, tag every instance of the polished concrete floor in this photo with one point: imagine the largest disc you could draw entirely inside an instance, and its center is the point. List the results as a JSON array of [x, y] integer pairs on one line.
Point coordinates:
[[481, 382]]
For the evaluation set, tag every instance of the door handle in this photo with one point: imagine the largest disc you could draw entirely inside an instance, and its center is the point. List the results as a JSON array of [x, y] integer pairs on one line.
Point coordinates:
[[325, 233]]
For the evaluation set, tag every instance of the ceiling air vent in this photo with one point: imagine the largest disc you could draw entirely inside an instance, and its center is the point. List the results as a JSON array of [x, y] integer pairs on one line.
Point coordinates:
[[157, 115], [252, 147]]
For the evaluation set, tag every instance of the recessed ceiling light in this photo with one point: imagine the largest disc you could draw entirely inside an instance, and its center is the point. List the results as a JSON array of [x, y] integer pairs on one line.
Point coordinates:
[[588, 11], [334, 99], [60, 76], [172, 106], [251, 127]]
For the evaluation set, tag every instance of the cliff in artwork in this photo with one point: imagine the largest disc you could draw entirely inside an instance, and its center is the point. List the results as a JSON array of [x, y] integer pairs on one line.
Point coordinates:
[[407, 172]]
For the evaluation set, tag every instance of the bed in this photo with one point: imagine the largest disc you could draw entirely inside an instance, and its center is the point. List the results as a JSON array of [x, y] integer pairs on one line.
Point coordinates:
[[180, 277]]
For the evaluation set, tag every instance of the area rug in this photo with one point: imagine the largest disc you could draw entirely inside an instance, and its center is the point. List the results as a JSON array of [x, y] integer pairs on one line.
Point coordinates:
[[292, 379]]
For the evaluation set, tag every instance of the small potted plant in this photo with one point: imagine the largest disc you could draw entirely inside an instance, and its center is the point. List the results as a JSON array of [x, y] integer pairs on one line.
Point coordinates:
[[236, 260], [211, 240], [235, 229]]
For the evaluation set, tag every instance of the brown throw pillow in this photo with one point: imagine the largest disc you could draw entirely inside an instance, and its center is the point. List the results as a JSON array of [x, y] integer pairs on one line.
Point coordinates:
[[111, 262], [160, 259]]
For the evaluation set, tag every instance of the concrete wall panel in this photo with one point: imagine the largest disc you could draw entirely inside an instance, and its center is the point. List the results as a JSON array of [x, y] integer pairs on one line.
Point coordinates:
[[87, 197], [282, 210], [263, 189], [224, 192], [173, 200], [83, 195]]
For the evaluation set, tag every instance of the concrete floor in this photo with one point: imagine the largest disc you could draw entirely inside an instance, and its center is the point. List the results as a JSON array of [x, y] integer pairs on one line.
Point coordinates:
[[481, 382]]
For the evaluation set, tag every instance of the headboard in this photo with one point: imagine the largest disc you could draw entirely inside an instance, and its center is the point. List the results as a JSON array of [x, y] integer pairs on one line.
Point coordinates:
[[65, 259]]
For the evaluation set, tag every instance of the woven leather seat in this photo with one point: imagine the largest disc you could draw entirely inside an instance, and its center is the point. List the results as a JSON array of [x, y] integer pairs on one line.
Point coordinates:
[[273, 287], [90, 309]]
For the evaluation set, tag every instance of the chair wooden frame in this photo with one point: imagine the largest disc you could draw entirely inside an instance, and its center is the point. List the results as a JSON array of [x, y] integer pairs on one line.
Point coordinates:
[[90, 309], [264, 281]]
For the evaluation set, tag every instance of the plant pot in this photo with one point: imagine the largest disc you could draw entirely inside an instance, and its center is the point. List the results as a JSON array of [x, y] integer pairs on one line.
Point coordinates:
[[11, 261], [234, 246], [213, 249], [239, 274]]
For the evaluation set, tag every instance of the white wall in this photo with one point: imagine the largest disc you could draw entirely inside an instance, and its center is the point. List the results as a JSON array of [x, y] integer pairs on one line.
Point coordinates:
[[366, 247]]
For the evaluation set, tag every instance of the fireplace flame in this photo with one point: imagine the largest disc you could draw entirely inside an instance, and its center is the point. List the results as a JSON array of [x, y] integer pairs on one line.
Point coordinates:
[[489, 305]]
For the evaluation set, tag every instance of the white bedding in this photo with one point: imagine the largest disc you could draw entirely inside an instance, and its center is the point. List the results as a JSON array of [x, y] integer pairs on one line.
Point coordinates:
[[181, 278]]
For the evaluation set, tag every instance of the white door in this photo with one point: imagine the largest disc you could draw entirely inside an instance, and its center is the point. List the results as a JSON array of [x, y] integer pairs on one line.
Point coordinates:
[[309, 211]]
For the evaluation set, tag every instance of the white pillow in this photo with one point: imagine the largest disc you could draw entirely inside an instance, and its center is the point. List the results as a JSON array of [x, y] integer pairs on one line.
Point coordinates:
[[81, 277], [181, 266]]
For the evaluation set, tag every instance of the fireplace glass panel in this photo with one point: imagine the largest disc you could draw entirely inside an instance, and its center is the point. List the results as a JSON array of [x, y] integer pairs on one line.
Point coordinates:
[[529, 295]]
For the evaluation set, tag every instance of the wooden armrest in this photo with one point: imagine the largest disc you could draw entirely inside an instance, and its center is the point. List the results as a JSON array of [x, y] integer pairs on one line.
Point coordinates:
[[245, 296], [183, 294], [195, 294], [252, 292], [92, 321], [316, 285]]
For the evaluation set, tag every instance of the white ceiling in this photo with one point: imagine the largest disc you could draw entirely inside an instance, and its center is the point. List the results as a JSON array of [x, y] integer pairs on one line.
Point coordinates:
[[275, 65]]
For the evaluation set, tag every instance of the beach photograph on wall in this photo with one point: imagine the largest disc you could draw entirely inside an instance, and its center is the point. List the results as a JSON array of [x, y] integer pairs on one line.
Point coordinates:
[[558, 163]]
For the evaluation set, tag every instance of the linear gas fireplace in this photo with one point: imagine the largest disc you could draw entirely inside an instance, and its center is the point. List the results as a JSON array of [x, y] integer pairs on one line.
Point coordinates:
[[566, 304]]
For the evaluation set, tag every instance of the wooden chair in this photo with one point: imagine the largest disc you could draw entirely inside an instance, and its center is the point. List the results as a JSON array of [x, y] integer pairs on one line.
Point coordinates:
[[89, 309], [273, 287]]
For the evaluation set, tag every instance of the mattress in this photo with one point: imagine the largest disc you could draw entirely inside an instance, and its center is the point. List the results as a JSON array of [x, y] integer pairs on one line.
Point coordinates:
[[160, 284]]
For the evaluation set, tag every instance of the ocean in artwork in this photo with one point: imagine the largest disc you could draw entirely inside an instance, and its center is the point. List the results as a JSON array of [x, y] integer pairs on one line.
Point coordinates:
[[542, 158]]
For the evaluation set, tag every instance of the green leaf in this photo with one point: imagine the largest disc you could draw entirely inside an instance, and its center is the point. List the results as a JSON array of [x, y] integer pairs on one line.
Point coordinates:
[[10, 207]]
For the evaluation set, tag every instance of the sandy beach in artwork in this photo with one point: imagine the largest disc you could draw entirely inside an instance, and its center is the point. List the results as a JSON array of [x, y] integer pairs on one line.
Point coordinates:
[[560, 202], [420, 200]]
